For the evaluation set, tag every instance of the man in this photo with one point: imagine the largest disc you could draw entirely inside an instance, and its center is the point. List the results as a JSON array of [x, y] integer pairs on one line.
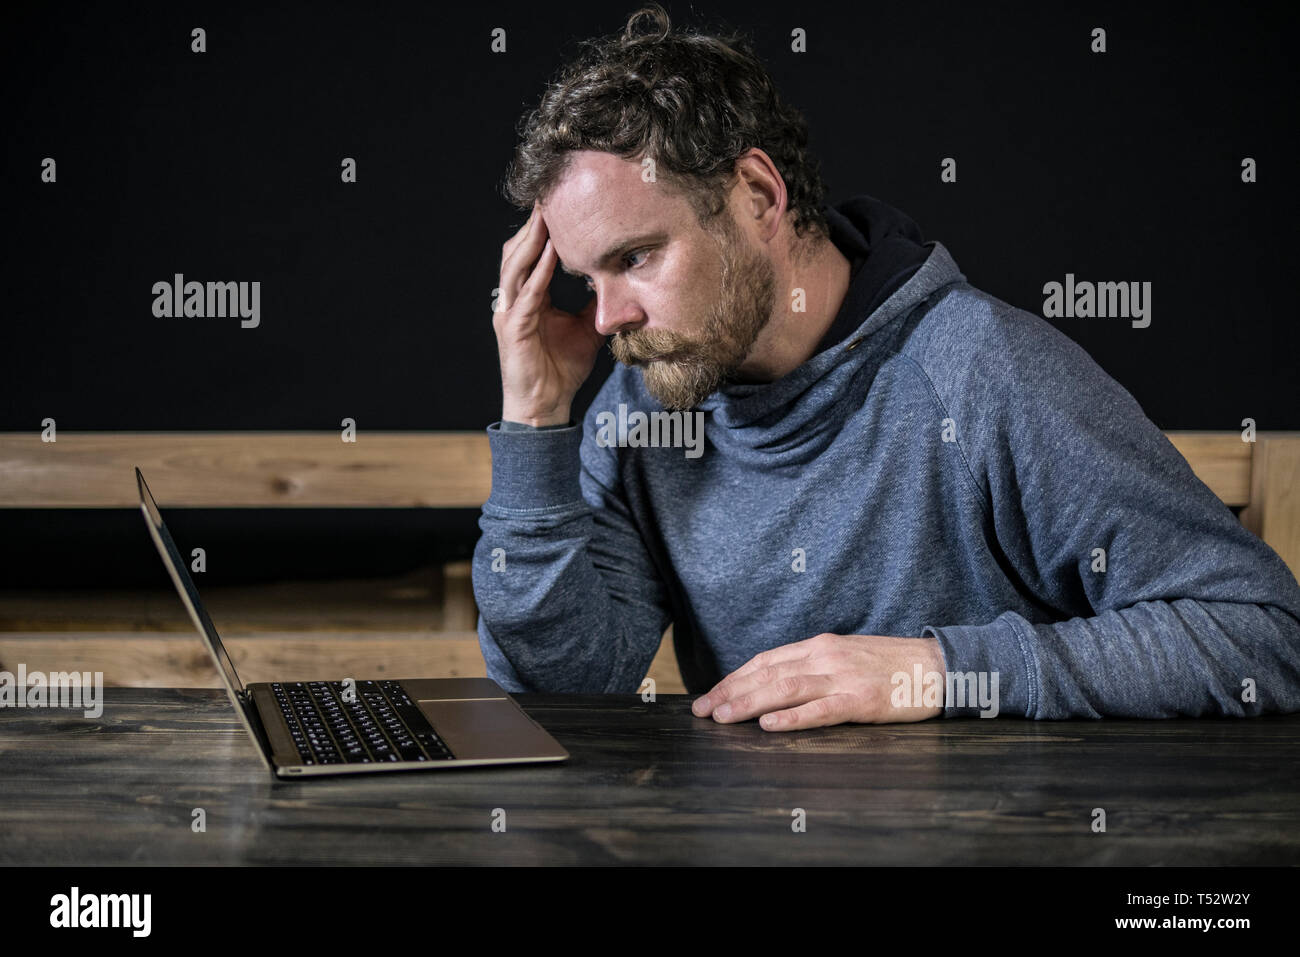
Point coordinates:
[[912, 499]]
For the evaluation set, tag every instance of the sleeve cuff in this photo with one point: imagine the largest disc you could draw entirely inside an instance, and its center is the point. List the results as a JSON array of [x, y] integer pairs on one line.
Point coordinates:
[[534, 468], [995, 659], [508, 426]]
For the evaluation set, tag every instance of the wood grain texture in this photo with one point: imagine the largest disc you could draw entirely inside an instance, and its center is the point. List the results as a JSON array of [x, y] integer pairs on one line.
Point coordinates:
[[431, 597], [419, 623], [318, 469], [1274, 511], [168, 660], [246, 469], [1220, 459], [649, 783], [180, 660]]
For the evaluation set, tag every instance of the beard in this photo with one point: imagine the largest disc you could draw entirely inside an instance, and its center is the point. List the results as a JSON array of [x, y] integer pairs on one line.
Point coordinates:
[[681, 371]]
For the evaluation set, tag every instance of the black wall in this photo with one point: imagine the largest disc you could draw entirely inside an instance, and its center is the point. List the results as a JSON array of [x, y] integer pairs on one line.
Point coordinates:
[[376, 296]]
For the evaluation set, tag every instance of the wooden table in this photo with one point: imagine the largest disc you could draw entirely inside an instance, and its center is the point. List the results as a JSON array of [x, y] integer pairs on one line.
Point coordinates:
[[649, 783]]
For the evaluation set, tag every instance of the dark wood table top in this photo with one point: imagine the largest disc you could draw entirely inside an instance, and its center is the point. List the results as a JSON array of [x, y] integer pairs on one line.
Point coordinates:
[[649, 783]]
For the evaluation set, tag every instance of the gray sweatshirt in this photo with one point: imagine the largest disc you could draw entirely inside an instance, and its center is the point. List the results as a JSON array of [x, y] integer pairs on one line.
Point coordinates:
[[955, 468]]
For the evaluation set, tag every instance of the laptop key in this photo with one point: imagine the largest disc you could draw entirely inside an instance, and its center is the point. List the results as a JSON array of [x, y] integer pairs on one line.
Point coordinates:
[[382, 724]]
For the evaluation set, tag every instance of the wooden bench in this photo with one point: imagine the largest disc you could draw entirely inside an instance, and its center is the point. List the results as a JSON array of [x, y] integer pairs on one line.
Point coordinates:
[[423, 624]]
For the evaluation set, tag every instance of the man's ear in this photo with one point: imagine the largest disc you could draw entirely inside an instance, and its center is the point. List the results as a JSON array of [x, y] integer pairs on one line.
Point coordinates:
[[765, 195]]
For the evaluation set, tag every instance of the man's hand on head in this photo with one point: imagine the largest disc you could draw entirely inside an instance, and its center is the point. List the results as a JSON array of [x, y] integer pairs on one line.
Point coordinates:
[[546, 353], [824, 680]]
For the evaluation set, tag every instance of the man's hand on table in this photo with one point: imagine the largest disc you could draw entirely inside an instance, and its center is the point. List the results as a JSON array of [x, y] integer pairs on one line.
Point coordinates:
[[827, 679]]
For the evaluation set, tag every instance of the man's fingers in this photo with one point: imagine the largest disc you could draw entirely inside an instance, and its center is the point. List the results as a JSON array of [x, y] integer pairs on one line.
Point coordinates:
[[725, 689], [517, 267], [531, 293], [832, 709], [740, 698], [789, 691], [796, 651], [509, 245], [773, 656], [746, 679], [529, 296]]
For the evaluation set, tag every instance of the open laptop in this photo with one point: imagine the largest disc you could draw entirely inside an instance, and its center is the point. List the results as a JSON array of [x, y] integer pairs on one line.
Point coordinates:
[[315, 728]]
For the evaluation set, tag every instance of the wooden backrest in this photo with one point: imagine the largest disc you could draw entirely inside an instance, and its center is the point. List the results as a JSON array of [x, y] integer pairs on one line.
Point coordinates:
[[454, 470]]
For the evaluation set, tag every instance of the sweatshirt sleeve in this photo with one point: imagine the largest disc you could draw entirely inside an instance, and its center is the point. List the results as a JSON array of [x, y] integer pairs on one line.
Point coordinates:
[[1164, 604], [569, 599]]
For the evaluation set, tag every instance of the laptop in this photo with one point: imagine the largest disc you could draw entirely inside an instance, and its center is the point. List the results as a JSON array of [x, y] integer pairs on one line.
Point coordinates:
[[316, 728]]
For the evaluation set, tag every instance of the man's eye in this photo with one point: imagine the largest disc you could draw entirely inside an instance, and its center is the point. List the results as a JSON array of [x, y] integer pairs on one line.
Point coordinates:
[[640, 252]]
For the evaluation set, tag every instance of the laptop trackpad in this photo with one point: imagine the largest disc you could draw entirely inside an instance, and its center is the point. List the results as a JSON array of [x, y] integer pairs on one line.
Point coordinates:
[[485, 728]]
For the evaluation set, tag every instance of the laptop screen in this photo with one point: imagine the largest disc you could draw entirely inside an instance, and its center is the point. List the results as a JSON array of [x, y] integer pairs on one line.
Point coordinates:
[[185, 585]]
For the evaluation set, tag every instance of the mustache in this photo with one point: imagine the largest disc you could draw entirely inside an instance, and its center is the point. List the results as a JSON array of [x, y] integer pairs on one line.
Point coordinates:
[[629, 349]]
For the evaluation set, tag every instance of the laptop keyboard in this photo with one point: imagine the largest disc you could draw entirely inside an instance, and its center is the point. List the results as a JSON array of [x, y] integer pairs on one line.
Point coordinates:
[[382, 725]]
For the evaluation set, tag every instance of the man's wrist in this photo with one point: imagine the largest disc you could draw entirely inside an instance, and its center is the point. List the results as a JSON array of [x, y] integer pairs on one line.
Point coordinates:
[[936, 654], [560, 417], [509, 425], [938, 666]]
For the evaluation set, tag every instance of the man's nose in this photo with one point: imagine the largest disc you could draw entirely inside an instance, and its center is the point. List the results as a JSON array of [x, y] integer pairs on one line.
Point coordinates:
[[614, 313]]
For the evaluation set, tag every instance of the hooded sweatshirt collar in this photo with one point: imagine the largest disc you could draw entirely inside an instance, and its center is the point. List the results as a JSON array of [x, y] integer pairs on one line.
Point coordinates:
[[885, 284], [884, 247]]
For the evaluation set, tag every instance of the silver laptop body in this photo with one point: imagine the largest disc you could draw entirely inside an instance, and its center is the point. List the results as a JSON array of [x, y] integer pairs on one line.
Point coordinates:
[[368, 726]]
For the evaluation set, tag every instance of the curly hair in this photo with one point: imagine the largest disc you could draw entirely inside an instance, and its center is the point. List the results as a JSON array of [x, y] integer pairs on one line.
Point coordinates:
[[692, 102]]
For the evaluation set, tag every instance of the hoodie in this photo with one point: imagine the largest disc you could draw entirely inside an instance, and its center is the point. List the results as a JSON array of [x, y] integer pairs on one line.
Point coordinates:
[[945, 465]]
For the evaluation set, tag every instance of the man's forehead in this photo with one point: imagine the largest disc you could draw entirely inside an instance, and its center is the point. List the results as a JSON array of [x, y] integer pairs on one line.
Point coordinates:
[[588, 173], [600, 204], [592, 201]]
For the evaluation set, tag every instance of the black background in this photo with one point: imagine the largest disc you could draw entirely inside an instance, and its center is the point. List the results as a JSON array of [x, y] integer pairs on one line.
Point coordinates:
[[376, 296]]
